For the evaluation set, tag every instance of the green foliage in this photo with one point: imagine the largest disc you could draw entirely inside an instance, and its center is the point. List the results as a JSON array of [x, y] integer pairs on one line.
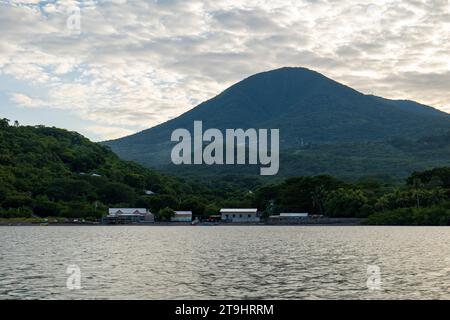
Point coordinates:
[[411, 198], [165, 214], [211, 209], [345, 203], [433, 216], [158, 202], [52, 172], [439, 177], [116, 192], [194, 204], [301, 194], [44, 207]]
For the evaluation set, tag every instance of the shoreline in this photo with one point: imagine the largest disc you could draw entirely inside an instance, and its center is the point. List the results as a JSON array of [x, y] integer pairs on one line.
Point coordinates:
[[25, 224], [307, 222], [206, 225]]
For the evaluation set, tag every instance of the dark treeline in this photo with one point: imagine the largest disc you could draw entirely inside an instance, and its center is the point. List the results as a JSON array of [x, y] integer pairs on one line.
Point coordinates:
[[422, 200], [50, 172]]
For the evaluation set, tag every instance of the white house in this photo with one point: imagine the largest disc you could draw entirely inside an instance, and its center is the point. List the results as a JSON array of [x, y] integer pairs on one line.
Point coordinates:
[[182, 216], [129, 215], [239, 215]]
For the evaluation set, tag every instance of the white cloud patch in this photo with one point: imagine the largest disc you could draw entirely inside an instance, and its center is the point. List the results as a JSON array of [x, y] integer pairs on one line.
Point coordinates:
[[26, 101], [138, 63], [105, 133]]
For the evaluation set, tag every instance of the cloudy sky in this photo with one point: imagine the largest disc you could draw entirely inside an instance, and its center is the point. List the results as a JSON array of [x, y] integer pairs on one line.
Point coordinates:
[[108, 68]]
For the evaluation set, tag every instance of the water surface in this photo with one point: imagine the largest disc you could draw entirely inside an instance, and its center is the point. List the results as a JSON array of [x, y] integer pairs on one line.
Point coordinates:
[[221, 262]]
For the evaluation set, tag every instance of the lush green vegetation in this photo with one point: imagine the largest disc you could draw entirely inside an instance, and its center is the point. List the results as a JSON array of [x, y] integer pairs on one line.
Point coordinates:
[[52, 172], [423, 200], [49, 172]]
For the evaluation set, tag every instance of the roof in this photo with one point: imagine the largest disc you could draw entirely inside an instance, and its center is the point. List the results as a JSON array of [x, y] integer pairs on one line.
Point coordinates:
[[238, 210], [127, 211], [183, 213], [293, 215]]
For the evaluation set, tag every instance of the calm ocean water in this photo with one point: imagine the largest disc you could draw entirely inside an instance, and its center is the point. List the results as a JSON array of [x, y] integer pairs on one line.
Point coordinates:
[[225, 262]]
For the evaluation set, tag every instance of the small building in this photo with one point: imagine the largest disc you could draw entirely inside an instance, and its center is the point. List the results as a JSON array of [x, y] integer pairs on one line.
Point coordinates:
[[128, 216], [182, 216], [214, 218], [239, 215], [289, 218]]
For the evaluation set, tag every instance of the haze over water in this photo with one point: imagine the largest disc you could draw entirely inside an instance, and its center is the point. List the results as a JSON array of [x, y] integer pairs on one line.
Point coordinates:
[[128, 262]]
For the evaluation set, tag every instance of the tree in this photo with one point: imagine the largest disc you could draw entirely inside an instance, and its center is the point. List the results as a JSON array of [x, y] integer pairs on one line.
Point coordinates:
[[4, 123], [46, 208], [345, 203], [417, 186], [115, 192], [165, 214], [159, 202], [318, 199], [68, 189], [304, 194], [211, 210], [265, 197], [135, 180], [17, 201], [194, 204]]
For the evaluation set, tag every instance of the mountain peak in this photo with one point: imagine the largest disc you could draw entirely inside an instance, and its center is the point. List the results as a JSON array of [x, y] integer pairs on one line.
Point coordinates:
[[290, 82], [287, 74]]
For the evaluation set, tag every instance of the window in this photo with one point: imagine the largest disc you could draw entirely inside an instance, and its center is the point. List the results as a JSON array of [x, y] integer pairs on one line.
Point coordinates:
[[240, 216], [234, 216], [249, 215]]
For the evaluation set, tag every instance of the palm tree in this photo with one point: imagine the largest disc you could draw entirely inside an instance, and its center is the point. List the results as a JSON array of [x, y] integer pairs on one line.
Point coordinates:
[[417, 186], [318, 197]]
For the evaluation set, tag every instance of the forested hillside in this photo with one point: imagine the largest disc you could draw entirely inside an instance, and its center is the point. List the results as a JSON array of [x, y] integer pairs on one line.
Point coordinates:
[[50, 172], [53, 172]]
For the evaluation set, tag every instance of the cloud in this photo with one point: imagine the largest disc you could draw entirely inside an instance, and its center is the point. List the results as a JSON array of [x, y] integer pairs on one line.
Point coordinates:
[[26, 101], [104, 133], [139, 63]]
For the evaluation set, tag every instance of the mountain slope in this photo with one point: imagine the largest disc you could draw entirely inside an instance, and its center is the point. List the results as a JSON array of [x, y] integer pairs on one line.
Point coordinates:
[[306, 106], [53, 172]]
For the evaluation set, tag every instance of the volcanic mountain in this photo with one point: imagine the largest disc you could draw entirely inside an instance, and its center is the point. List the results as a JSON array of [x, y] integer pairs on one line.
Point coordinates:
[[319, 120]]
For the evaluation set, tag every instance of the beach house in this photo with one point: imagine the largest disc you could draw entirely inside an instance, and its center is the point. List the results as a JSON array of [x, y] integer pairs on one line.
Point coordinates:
[[182, 216], [240, 215], [128, 216]]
